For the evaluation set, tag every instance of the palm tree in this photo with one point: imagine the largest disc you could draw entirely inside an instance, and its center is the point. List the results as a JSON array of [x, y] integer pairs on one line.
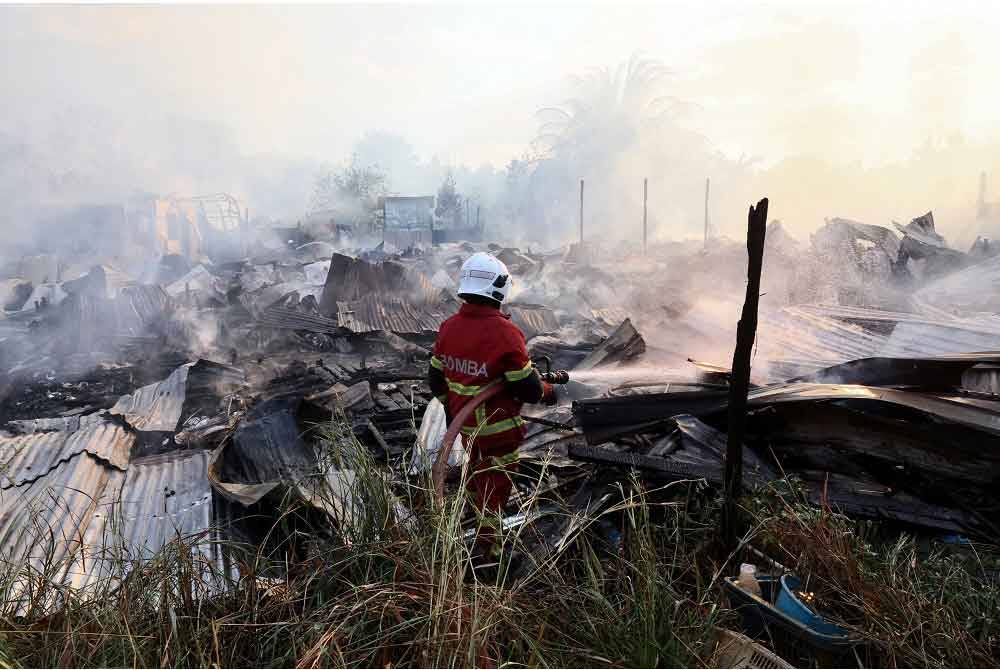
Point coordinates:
[[612, 109]]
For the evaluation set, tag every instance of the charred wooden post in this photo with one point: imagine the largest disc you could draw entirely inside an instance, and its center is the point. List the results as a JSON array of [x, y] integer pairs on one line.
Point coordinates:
[[746, 331]]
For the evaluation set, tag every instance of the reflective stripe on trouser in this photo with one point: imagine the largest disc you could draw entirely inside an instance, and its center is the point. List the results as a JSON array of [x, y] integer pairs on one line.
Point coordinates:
[[491, 479], [483, 428]]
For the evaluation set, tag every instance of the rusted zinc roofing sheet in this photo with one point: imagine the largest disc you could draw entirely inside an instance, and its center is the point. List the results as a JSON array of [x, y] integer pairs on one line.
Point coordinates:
[[373, 313], [26, 458]]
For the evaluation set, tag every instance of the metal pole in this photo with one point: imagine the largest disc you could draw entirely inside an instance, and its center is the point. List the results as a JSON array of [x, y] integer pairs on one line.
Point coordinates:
[[478, 207], [706, 211], [645, 194], [581, 211]]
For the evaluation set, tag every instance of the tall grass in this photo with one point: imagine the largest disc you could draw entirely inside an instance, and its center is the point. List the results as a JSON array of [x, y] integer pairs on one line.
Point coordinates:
[[383, 577], [913, 602], [387, 581]]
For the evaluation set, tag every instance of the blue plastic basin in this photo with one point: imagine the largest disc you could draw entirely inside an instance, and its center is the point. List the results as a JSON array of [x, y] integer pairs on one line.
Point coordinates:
[[790, 604]]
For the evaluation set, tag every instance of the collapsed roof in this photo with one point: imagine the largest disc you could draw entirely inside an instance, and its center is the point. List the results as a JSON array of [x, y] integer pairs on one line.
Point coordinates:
[[135, 413]]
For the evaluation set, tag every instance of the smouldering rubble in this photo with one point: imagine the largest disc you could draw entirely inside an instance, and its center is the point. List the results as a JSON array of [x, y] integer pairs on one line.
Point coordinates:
[[188, 393]]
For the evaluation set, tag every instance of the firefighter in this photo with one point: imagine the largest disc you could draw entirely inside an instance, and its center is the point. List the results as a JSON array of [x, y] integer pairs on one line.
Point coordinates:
[[475, 348]]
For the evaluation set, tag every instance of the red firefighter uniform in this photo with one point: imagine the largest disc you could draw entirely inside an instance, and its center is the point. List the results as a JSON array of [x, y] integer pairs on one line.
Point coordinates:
[[475, 348]]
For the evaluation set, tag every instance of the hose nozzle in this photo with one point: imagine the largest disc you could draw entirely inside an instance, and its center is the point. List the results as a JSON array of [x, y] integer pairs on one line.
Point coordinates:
[[555, 377]]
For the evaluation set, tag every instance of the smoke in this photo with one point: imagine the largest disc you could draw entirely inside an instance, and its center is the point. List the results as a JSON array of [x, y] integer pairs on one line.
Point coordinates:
[[75, 157], [863, 112]]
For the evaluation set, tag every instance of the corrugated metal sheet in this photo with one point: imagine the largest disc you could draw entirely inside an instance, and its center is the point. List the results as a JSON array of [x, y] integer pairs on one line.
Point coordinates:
[[156, 407], [89, 322], [932, 339], [351, 279], [982, 378], [610, 316], [87, 521], [862, 314], [533, 320], [703, 445], [373, 313], [138, 307], [288, 319], [41, 523], [162, 498], [809, 333], [883, 237], [801, 333], [26, 458], [976, 413], [66, 423], [209, 384], [974, 289], [268, 449], [198, 279]]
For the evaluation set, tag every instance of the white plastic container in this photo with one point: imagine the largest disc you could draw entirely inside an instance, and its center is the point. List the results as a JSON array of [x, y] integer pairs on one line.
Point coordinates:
[[748, 579]]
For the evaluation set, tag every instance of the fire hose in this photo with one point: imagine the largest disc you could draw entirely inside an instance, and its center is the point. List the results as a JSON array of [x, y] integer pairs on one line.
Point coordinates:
[[491, 390]]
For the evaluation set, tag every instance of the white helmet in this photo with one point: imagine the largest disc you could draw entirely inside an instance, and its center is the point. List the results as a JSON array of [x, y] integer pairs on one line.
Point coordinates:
[[484, 275]]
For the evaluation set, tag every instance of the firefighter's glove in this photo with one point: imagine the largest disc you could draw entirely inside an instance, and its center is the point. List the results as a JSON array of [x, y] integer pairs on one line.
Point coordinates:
[[549, 394]]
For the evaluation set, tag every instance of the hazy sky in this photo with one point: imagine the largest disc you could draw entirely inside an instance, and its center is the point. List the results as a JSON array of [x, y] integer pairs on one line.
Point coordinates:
[[851, 82]]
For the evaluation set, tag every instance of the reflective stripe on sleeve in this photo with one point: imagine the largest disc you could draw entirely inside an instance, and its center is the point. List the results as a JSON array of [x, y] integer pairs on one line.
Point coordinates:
[[462, 389], [518, 375], [436, 363]]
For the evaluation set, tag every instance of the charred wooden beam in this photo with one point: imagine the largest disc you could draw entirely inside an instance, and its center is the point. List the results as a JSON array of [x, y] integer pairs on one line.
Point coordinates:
[[746, 331]]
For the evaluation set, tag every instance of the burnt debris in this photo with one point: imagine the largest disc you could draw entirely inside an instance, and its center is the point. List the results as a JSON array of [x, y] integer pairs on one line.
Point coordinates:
[[200, 393]]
